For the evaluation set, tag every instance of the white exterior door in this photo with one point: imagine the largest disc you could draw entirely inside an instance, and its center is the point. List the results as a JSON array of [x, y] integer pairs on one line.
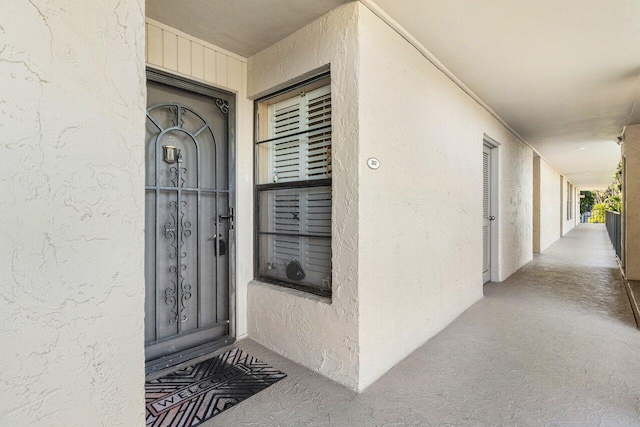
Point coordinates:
[[487, 216]]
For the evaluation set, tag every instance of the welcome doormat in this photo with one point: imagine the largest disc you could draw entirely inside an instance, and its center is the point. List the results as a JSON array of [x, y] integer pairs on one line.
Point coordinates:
[[192, 395]]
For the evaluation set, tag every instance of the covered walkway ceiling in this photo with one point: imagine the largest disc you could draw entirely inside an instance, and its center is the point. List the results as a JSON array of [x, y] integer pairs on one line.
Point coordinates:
[[563, 74]]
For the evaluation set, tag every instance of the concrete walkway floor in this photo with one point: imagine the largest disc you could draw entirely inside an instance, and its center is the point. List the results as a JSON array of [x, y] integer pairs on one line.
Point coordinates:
[[555, 344]]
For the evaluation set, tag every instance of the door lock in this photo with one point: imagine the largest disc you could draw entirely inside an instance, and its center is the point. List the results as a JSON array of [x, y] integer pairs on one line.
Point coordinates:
[[229, 216], [492, 218], [220, 245]]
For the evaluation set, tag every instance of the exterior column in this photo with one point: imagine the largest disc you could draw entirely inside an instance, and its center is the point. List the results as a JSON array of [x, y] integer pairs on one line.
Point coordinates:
[[631, 202]]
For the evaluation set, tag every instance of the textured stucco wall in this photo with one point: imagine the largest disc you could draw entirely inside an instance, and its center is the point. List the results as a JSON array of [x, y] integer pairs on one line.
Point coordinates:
[[320, 335], [547, 213], [516, 204], [550, 205], [71, 255], [631, 208], [420, 262]]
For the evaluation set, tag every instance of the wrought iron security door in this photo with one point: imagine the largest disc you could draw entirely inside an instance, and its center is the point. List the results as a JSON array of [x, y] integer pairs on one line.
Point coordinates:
[[189, 220]]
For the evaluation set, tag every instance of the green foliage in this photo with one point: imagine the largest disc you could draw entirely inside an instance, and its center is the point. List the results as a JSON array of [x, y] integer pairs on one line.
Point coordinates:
[[598, 213], [601, 201], [587, 201], [614, 203]]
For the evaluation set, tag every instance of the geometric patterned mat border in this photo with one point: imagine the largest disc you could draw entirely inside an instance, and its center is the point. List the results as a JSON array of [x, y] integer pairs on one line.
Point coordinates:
[[192, 395]]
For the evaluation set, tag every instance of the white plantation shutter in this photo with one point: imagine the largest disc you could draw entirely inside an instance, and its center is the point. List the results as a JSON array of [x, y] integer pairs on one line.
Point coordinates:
[[285, 210], [317, 255], [318, 211], [307, 212], [571, 202], [285, 161], [303, 155], [318, 143], [299, 157]]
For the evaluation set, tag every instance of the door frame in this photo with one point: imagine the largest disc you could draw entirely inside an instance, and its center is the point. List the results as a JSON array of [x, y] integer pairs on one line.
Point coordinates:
[[494, 176], [176, 81]]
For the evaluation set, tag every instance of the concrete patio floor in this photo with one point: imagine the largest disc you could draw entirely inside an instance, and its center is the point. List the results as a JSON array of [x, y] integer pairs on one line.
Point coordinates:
[[555, 344]]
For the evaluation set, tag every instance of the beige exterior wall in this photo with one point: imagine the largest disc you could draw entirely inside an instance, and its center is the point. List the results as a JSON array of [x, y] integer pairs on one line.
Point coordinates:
[[178, 53], [631, 208], [547, 205], [72, 246], [420, 233], [316, 332]]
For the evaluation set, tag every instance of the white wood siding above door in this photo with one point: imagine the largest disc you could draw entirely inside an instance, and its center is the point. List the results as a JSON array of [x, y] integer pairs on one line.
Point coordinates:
[[173, 50]]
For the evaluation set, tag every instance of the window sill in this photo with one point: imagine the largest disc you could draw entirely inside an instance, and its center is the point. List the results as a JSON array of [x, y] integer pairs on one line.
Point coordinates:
[[291, 291]]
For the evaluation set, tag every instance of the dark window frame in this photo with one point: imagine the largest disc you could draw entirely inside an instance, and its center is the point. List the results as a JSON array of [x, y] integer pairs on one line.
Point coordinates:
[[259, 188]]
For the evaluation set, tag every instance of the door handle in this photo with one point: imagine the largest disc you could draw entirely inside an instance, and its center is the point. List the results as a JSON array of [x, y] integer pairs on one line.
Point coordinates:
[[492, 218], [229, 216]]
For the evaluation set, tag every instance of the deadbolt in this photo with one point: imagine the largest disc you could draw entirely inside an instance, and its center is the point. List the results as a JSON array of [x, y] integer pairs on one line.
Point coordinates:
[[229, 216]]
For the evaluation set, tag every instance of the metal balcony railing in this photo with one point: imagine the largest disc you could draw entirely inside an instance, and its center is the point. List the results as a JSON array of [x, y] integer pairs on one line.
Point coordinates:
[[613, 222]]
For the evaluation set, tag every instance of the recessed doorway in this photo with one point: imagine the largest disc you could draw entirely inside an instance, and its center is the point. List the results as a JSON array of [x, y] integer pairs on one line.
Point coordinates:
[[489, 210], [189, 229]]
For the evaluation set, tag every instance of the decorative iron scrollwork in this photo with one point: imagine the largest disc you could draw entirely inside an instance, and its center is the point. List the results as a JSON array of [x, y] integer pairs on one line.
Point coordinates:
[[222, 105], [185, 227], [179, 111], [170, 229], [174, 171], [169, 118], [170, 296], [178, 279], [185, 289]]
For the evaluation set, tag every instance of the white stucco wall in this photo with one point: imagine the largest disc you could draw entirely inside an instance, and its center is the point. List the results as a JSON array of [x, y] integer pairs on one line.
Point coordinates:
[[71, 254], [547, 213], [516, 206], [420, 233], [569, 224], [319, 334]]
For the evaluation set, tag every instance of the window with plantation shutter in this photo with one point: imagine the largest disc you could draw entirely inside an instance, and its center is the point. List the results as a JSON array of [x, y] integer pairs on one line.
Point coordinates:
[[293, 188], [569, 201]]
